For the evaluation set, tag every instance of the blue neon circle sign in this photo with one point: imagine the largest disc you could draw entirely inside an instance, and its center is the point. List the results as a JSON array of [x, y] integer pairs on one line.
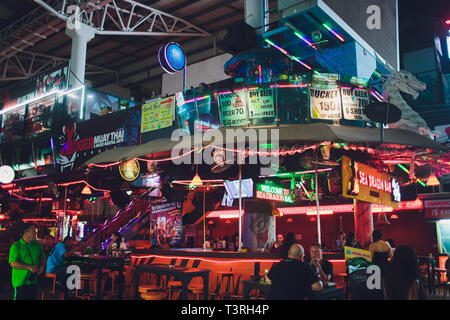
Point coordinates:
[[172, 58]]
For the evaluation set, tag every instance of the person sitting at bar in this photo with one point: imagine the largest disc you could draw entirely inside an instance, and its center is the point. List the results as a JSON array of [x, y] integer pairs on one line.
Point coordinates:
[[351, 240], [380, 250], [322, 267], [402, 276], [117, 243], [276, 245], [293, 279], [288, 241], [60, 251], [340, 241]]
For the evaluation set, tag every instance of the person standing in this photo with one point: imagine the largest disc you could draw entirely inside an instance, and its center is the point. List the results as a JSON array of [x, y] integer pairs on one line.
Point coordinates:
[[27, 260], [402, 276], [351, 240], [293, 279], [276, 246], [380, 250]]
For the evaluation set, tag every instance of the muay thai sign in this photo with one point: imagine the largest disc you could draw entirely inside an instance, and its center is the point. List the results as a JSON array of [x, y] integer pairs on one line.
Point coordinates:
[[365, 183], [78, 142]]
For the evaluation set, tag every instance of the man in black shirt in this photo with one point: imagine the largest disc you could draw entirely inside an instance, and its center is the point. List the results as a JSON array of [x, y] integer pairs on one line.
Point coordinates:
[[293, 279], [323, 268]]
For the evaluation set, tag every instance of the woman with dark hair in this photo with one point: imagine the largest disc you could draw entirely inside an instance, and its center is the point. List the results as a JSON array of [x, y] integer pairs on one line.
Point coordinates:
[[380, 250], [117, 242], [351, 240], [402, 276], [289, 240]]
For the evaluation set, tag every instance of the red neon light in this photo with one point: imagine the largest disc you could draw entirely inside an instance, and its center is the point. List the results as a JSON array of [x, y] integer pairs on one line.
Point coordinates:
[[447, 22], [35, 188], [8, 186], [204, 259], [224, 213]]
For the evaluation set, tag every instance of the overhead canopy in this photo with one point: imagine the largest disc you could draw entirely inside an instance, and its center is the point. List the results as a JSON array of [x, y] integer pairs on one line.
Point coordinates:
[[301, 133]]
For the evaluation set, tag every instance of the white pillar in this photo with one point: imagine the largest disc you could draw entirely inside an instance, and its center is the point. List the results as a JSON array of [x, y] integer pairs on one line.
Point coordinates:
[[80, 36], [254, 11]]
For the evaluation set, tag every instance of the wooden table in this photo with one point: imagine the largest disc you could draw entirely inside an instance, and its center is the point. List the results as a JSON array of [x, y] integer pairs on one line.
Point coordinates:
[[327, 293], [99, 263], [183, 274]]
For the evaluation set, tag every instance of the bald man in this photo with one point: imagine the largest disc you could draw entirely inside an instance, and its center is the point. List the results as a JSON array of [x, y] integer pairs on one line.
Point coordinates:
[[293, 279]]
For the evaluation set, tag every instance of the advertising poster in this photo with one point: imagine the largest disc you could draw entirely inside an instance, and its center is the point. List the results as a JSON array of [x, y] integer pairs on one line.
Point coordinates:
[[52, 79], [81, 141], [232, 109], [325, 103], [260, 104], [166, 223], [353, 103], [158, 114]]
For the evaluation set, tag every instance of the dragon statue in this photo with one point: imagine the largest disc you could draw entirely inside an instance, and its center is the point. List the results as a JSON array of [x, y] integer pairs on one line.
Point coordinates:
[[403, 81]]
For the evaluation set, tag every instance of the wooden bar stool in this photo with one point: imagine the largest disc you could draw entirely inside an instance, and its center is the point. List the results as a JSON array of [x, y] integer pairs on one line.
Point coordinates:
[[149, 288], [52, 276], [154, 296], [91, 280], [229, 276], [196, 290]]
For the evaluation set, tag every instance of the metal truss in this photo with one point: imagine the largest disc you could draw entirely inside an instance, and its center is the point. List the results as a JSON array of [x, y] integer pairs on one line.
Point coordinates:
[[25, 64], [125, 17]]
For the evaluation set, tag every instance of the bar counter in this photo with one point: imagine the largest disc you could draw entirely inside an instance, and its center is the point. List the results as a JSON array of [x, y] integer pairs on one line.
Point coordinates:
[[241, 265]]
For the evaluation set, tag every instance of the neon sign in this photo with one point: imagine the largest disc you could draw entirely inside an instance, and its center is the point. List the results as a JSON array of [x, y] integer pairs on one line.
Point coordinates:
[[269, 192]]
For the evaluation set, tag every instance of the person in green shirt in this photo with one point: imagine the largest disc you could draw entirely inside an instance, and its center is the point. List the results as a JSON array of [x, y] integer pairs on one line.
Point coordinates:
[[27, 260]]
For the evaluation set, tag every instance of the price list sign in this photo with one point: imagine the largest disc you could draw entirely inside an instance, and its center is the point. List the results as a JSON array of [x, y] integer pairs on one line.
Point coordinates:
[[232, 109], [353, 102], [325, 103]]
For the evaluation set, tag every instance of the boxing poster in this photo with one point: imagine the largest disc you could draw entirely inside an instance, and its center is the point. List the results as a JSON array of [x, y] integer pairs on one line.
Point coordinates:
[[166, 223]]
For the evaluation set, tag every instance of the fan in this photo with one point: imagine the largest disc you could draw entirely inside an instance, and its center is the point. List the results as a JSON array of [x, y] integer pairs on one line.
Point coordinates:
[[221, 164]]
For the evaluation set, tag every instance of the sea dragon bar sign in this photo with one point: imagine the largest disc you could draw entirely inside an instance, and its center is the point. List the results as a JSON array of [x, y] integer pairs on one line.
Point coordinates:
[[269, 192], [365, 183]]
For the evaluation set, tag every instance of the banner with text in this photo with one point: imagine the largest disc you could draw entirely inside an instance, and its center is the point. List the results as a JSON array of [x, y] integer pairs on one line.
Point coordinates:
[[353, 103], [158, 114], [325, 103]]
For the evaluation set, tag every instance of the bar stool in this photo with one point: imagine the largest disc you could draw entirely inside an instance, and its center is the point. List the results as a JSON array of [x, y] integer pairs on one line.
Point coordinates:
[[176, 286], [154, 296], [91, 279], [113, 275], [52, 276], [229, 275], [196, 290]]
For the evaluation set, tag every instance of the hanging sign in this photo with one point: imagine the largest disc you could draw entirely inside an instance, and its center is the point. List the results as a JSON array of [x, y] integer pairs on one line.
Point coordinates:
[[437, 209], [260, 104], [232, 109], [269, 192], [157, 114], [325, 104], [365, 183], [351, 253], [353, 103], [129, 170]]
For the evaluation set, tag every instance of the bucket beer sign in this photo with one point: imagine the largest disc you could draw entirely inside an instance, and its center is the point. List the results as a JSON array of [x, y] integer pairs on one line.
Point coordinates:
[[365, 183]]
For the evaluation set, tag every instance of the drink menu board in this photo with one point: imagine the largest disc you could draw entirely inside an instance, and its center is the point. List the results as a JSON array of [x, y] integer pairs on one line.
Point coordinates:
[[353, 102], [325, 103], [158, 114], [253, 104]]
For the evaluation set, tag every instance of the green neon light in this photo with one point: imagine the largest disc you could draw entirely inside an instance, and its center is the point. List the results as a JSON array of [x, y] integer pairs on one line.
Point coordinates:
[[403, 168]]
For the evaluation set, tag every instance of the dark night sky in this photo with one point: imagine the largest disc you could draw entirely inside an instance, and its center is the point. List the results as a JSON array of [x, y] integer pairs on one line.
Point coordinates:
[[420, 20]]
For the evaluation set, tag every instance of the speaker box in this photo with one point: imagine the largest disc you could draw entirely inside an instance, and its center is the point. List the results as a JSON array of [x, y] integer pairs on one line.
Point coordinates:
[[239, 38], [408, 193]]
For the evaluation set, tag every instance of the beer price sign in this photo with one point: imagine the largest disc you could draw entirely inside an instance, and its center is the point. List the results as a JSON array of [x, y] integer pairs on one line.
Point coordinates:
[[269, 192], [325, 103], [365, 183]]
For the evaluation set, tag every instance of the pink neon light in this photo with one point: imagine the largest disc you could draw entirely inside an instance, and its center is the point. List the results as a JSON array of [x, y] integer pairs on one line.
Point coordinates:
[[204, 259], [224, 213]]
